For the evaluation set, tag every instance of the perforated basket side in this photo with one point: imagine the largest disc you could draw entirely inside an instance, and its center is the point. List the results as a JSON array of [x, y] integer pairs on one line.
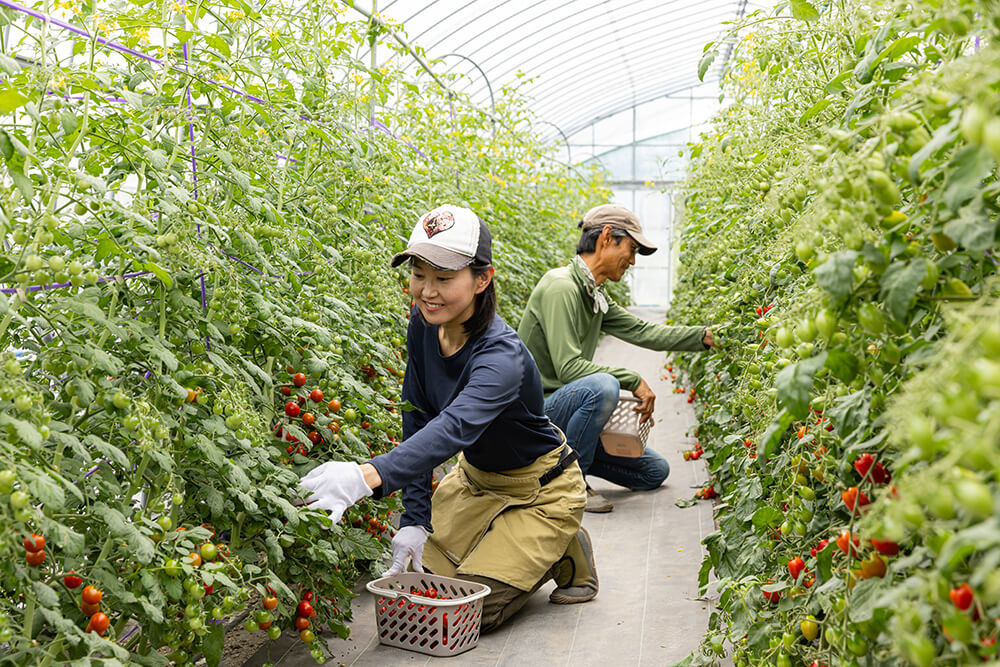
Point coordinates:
[[624, 421], [426, 625]]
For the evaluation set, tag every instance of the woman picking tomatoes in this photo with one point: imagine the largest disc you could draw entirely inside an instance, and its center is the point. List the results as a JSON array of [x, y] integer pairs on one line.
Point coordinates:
[[508, 514]]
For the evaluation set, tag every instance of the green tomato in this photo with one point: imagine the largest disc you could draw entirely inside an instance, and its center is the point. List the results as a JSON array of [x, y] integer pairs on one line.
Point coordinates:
[[350, 415], [209, 552], [7, 479], [857, 645], [33, 263], [22, 403], [218, 613], [172, 568], [233, 422], [274, 632], [120, 400], [975, 497], [229, 603], [164, 522], [871, 319], [19, 500], [195, 624], [784, 337], [57, 264]]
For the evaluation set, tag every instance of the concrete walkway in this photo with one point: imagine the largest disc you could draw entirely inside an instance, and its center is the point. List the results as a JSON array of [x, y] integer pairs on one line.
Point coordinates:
[[648, 553]]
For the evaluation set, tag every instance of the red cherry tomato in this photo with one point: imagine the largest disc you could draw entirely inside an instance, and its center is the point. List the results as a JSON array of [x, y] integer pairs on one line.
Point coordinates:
[[270, 602], [299, 379], [34, 558], [796, 566], [301, 623], [91, 595], [962, 596], [292, 409], [72, 581], [305, 609], [316, 395], [99, 623], [308, 596], [34, 542]]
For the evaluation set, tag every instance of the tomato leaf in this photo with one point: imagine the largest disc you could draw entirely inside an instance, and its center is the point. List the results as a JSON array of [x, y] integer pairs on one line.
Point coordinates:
[[706, 61], [973, 228], [842, 364], [900, 284], [142, 547], [160, 273], [9, 65], [795, 383], [836, 274], [45, 594], [11, 99], [212, 645], [815, 109], [108, 451], [26, 431], [772, 436], [965, 175], [804, 11], [766, 516], [943, 136], [851, 411]]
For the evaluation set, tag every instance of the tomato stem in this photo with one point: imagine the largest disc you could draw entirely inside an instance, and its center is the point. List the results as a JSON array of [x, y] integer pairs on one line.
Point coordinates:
[[29, 616], [54, 650]]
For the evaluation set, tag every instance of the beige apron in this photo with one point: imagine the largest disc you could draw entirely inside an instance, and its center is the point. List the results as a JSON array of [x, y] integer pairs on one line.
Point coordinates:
[[504, 526]]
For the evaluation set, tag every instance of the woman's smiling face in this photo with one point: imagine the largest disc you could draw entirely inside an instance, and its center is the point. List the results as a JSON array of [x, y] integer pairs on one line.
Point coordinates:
[[443, 297]]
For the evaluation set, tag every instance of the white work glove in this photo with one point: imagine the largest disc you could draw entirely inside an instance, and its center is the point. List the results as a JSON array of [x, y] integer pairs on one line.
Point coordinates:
[[406, 545], [335, 486]]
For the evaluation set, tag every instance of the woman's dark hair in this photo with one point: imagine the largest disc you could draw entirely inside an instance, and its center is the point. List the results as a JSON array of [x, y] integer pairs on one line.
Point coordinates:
[[588, 239], [486, 306]]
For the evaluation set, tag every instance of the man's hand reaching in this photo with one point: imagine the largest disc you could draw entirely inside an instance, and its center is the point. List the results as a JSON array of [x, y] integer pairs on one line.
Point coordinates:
[[648, 398], [708, 339]]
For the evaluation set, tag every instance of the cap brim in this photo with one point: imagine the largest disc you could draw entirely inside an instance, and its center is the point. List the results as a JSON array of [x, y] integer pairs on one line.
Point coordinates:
[[645, 246], [436, 256]]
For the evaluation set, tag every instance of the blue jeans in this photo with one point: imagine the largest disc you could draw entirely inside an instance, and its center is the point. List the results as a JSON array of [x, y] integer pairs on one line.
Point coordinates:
[[581, 409]]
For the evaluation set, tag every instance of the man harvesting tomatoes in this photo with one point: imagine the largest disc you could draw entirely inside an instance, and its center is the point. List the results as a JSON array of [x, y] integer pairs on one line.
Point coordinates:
[[508, 515], [566, 313]]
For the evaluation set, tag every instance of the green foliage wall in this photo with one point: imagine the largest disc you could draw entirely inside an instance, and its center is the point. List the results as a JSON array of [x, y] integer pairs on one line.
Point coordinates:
[[206, 221], [841, 228]]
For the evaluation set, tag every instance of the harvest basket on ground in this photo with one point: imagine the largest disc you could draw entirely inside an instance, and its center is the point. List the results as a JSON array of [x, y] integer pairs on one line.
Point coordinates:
[[445, 625], [623, 435]]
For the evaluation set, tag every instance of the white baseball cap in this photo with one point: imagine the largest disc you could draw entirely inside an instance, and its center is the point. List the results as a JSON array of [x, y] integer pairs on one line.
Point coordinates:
[[449, 238]]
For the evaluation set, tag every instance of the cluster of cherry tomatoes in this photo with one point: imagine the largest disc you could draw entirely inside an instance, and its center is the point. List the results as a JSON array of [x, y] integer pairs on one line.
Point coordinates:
[[90, 605], [694, 453], [34, 550]]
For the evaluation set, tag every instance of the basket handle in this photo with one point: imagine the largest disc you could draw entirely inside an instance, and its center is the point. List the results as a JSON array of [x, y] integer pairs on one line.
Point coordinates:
[[628, 399]]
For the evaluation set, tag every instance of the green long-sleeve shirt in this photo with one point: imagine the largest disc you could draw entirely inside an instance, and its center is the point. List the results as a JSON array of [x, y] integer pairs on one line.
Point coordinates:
[[561, 330]]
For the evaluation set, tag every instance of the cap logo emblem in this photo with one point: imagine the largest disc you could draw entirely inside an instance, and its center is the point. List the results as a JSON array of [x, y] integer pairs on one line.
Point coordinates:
[[438, 222]]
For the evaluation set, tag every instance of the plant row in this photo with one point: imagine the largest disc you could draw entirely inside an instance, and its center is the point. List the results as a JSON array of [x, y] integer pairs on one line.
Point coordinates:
[[840, 225], [198, 309]]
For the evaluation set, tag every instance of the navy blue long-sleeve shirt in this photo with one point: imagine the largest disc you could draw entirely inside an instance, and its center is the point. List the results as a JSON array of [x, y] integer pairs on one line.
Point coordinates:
[[485, 399]]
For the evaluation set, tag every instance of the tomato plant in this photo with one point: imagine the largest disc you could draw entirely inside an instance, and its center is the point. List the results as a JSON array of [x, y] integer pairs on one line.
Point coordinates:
[[197, 237], [862, 209]]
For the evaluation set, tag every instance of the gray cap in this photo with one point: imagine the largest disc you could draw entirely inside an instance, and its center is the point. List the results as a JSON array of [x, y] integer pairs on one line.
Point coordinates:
[[621, 218]]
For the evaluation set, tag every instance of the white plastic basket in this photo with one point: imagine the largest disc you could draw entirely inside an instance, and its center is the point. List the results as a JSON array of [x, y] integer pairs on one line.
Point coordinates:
[[623, 435], [435, 626]]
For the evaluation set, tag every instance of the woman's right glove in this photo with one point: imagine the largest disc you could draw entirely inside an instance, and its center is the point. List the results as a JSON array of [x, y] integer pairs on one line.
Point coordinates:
[[408, 544]]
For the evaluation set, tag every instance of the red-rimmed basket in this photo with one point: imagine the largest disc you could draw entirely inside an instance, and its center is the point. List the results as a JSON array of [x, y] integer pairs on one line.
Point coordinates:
[[434, 626]]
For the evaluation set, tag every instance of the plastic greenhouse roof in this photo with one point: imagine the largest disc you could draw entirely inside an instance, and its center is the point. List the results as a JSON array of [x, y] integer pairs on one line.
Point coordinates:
[[586, 59]]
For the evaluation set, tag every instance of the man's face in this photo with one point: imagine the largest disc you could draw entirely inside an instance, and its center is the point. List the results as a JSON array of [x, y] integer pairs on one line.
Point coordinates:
[[619, 256]]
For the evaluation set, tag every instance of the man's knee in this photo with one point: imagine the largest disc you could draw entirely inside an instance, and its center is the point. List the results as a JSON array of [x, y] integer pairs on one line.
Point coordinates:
[[653, 474], [607, 390]]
